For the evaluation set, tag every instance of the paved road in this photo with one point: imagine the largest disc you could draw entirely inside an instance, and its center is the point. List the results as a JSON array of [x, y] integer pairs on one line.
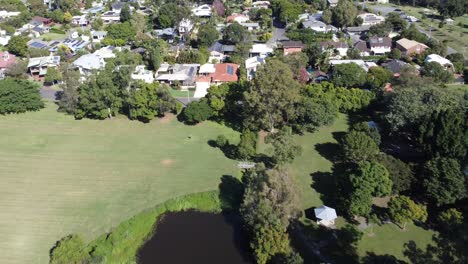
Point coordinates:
[[279, 33]]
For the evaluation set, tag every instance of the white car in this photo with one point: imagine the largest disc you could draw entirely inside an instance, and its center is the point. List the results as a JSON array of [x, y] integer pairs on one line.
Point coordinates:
[[412, 19]]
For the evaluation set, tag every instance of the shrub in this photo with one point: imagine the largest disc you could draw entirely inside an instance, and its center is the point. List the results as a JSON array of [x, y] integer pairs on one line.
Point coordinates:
[[19, 96]]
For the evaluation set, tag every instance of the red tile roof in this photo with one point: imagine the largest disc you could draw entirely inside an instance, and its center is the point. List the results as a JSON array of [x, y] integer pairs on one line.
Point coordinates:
[[5, 63], [225, 72]]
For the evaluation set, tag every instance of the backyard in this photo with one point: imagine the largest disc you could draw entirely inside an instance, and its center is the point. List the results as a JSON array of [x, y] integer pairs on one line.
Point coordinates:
[[62, 176]]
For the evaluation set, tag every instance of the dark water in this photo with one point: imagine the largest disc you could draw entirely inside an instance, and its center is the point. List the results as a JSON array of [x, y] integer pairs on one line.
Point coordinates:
[[195, 237]]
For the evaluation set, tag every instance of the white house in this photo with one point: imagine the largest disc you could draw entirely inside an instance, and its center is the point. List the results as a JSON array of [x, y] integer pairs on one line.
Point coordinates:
[[88, 63], [380, 45], [110, 17], [239, 18], [318, 26], [251, 26], [81, 21], [202, 11], [261, 4], [4, 39], [185, 26], [332, 3], [107, 52], [251, 65], [7, 14], [261, 50], [331, 46], [439, 59], [369, 19], [325, 215], [97, 36], [141, 73]]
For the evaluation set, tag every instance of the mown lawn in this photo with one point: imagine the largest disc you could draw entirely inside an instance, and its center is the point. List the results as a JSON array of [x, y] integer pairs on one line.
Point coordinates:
[[60, 176]]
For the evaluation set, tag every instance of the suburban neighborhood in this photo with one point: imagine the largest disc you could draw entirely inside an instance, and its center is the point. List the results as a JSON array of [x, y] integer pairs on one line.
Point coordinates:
[[228, 131]]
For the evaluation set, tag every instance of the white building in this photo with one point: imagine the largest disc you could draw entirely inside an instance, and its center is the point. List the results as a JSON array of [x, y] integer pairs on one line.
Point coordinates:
[[318, 26], [141, 73], [251, 65], [185, 26], [369, 19], [261, 50], [202, 11], [365, 65], [6, 14], [439, 59], [325, 215], [88, 63], [4, 39], [380, 45]]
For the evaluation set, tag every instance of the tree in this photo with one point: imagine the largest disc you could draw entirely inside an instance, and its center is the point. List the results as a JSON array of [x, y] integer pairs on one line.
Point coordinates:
[[69, 97], [327, 16], [401, 173], [196, 112], [395, 54], [312, 113], [123, 31], [445, 133], [207, 35], [373, 177], [125, 14], [291, 258], [235, 33], [357, 146], [268, 205], [142, 102], [344, 13], [458, 60], [19, 96], [18, 70], [18, 46], [443, 181], [403, 210], [67, 17], [283, 148], [272, 96], [437, 72], [247, 146], [286, 11], [452, 8], [52, 75], [348, 75], [170, 14], [377, 77], [371, 131], [70, 249], [450, 218], [360, 202], [99, 98]]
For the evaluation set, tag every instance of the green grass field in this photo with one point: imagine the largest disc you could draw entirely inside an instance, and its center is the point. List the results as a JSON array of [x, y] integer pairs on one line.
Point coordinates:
[[61, 176]]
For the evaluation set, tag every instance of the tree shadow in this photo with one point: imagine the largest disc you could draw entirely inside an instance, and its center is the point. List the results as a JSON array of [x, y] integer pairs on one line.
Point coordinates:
[[229, 150], [372, 258], [330, 151], [265, 159], [231, 191]]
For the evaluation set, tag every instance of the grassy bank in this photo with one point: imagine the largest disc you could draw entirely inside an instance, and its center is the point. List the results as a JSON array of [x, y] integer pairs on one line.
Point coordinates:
[[122, 243]]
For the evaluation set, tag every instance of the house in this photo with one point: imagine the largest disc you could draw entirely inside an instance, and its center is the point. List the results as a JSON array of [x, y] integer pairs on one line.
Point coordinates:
[[6, 60], [202, 11], [219, 52], [318, 26], [183, 74], [325, 216], [369, 19], [117, 7], [93, 10], [251, 26], [251, 65], [7, 14], [335, 48], [141, 73], [357, 31], [97, 36], [41, 20], [37, 44], [361, 46], [185, 26], [448, 21], [380, 45], [223, 73], [395, 66], [261, 50], [207, 69], [239, 18], [107, 52], [332, 3], [439, 59], [261, 4], [365, 65], [74, 45], [88, 63], [110, 17], [4, 38], [81, 21], [37, 67], [290, 47], [167, 34], [410, 47]]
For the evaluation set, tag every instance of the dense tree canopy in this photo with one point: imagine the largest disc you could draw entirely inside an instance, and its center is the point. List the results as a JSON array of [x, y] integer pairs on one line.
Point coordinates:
[[358, 146], [197, 111], [401, 173], [403, 210], [443, 181], [68, 100], [19, 96], [452, 8], [283, 148], [207, 35], [348, 75], [235, 33], [437, 72], [18, 45], [344, 14], [373, 177]]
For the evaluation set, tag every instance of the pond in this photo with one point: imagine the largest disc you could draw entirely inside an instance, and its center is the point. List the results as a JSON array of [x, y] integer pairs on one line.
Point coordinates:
[[196, 237]]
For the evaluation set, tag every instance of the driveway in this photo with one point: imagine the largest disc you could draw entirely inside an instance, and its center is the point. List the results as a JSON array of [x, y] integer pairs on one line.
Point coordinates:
[[48, 93], [279, 33]]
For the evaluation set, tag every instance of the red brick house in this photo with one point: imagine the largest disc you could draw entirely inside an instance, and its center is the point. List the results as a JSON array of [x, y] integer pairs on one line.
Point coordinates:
[[290, 47]]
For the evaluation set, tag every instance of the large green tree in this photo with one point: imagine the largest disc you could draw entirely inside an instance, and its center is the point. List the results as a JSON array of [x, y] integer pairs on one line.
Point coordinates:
[[358, 146], [373, 177], [19, 96], [207, 35], [403, 210], [271, 97], [197, 111], [401, 173], [283, 148], [69, 96], [247, 147], [142, 102], [452, 8], [125, 14], [344, 14], [18, 46], [235, 33], [443, 181], [437, 72], [348, 75]]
